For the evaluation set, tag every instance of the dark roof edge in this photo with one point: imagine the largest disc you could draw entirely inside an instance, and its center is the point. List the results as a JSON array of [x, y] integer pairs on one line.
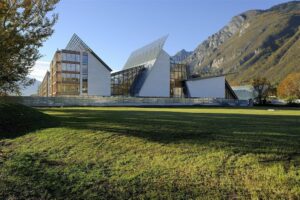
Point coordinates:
[[89, 49], [210, 76], [202, 78], [100, 60], [231, 90]]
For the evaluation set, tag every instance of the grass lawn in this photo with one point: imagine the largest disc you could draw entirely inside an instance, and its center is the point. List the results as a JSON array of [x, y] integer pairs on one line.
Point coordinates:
[[165, 153]]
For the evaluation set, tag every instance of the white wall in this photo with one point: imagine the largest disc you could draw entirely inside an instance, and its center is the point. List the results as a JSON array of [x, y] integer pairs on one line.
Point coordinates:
[[210, 87], [98, 77], [157, 83]]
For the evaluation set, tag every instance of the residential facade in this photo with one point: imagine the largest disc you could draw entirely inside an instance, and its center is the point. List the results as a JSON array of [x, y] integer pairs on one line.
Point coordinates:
[[78, 71], [44, 88], [149, 72]]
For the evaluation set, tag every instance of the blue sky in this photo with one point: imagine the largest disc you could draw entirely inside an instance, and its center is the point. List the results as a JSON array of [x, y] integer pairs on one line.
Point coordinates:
[[114, 28]]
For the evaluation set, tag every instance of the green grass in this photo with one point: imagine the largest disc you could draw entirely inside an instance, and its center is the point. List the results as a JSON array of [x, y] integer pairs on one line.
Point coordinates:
[[165, 153], [16, 119]]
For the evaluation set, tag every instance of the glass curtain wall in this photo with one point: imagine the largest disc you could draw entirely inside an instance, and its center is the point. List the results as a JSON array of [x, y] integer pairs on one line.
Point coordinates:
[[125, 82], [84, 73], [43, 89], [66, 73], [178, 76]]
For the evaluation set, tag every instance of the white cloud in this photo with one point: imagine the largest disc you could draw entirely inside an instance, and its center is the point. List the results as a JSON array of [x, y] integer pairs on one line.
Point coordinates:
[[39, 70]]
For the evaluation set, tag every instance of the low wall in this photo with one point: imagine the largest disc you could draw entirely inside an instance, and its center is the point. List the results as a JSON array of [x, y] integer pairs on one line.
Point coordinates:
[[120, 101]]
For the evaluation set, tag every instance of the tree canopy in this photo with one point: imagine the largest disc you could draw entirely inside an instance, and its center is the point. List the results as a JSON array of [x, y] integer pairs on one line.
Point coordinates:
[[24, 26], [262, 87], [289, 88]]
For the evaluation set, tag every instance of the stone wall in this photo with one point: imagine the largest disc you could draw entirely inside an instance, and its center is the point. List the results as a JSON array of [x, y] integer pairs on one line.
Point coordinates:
[[120, 101]]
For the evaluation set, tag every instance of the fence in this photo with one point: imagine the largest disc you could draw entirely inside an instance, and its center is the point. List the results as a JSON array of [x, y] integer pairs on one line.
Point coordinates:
[[120, 101]]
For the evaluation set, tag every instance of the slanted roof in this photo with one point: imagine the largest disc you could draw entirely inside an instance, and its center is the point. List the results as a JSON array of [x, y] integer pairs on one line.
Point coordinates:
[[146, 53], [76, 44], [244, 92], [230, 90], [200, 77], [204, 77]]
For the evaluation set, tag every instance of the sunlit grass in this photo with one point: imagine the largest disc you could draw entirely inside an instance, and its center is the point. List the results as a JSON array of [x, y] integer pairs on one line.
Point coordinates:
[[177, 153]]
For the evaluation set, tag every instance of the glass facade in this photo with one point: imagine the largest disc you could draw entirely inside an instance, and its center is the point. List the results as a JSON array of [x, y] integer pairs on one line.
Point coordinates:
[[84, 84], [70, 57], [84, 71], [68, 89], [65, 73], [44, 87], [70, 67], [178, 76], [84, 58], [127, 82], [71, 78]]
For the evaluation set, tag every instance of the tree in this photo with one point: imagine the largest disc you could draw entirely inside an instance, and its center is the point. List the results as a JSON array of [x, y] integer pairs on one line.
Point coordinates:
[[261, 86], [24, 26], [289, 88]]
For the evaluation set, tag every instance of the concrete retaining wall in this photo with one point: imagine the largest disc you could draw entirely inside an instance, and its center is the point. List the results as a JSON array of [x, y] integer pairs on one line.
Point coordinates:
[[120, 101]]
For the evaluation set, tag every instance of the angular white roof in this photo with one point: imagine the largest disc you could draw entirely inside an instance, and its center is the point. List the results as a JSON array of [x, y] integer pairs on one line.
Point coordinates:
[[76, 44], [146, 53]]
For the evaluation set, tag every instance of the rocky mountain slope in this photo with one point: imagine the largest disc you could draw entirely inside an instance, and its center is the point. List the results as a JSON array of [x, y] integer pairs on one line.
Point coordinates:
[[254, 43], [181, 55]]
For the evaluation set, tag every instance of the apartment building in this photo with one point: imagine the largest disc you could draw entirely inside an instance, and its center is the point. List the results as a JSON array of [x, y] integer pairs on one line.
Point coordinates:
[[77, 71], [149, 72], [44, 87]]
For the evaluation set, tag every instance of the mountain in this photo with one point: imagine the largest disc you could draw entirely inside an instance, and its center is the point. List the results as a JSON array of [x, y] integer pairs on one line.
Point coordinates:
[[31, 90], [181, 55], [254, 43]]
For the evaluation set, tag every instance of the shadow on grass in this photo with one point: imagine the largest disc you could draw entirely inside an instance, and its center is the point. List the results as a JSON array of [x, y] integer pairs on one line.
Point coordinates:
[[239, 132], [17, 120], [38, 176]]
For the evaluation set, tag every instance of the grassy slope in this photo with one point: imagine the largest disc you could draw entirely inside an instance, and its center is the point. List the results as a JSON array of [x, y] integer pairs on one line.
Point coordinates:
[[16, 119], [156, 152]]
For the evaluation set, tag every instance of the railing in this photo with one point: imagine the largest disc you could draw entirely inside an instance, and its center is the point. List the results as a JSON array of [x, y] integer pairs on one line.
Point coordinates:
[[120, 101]]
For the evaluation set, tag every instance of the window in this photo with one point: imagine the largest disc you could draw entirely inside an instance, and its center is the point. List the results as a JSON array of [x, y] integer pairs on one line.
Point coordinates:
[[127, 82], [66, 77], [70, 67], [84, 63], [177, 77], [84, 69], [84, 58], [64, 67], [70, 57], [84, 84], [64, 56]]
